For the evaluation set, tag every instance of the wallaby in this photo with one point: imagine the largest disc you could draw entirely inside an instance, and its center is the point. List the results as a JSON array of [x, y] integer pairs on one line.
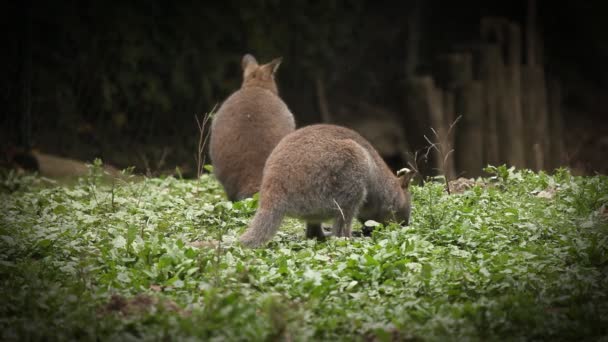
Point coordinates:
[[245, 129], [50, 166], [323, 172]]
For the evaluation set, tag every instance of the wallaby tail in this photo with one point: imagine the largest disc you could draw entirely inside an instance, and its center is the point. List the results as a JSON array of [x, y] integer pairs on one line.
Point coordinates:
[[262, 228]]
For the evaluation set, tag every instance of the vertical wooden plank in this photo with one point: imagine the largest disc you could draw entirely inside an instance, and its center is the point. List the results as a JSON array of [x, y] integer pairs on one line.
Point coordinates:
[[453, 71], [449, 113], [418, 116], [556, 137], [542, 125], [469, 134], [511, 122], [493, 84], [430, 101], [534, 108], [531, 36], [435, 103]]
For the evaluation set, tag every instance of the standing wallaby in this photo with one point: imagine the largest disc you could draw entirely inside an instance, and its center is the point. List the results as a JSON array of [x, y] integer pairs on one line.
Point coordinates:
[[248, 125], [323, 172]]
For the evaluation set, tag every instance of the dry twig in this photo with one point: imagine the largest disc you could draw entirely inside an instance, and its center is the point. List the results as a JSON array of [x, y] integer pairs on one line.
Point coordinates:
[[202, 140]]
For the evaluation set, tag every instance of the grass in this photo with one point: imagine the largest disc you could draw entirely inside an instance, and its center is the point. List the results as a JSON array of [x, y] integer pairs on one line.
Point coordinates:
[[520, 256]]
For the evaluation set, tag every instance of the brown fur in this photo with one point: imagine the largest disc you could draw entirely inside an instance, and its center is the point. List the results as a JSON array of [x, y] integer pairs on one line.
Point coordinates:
[[51, 166], [323, 172], [248, 125]]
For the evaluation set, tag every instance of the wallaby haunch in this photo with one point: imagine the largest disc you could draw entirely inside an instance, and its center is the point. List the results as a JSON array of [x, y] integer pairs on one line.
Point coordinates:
[[323, 172], [248, 125]]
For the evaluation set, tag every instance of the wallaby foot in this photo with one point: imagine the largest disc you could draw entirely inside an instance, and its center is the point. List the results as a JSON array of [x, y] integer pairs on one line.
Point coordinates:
[[358, 233], [342, 224], [363, 232], [251, 240], [366, 231], [315, 231]]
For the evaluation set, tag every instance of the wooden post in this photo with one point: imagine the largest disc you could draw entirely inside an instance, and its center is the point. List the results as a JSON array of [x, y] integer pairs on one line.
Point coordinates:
[[416, 119], [529, 113], [531, 46], [490, 70], [449, 115], [542, 128], [418, 116], [534, 95], [501, 72], [25, 129], [556, 137], [534, 107], [453, 72], [469, 133], [493, 74], [511, 135], [429, 100], [414, 36], [434, 97]]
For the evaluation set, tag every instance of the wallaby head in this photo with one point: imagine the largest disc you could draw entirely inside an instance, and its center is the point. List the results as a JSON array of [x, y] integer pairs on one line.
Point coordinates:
[[403, 207], [19, 158], [398, 205], [255, 75]]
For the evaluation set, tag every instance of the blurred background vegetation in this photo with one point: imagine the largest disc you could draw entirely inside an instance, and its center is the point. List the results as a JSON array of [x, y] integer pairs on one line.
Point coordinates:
[[124, 80]]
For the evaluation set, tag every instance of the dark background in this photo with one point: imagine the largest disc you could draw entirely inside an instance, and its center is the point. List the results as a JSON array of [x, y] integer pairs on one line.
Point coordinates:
[[124, 80]]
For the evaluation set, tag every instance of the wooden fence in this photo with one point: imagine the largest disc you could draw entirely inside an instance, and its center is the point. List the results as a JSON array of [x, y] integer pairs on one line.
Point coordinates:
[[509, 108]]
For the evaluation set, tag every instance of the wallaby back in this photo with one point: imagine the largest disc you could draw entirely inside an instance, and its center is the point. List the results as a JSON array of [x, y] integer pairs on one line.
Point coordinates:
[[323, 172], [51, 166], [248, 125]]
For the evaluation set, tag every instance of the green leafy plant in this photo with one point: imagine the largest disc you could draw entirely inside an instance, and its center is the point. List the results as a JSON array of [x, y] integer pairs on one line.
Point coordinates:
[[520, 255]]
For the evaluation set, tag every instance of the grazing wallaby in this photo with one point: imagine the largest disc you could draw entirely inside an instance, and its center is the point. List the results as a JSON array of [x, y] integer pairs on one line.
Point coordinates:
[[248, 125], [323, 172], [50, 166]]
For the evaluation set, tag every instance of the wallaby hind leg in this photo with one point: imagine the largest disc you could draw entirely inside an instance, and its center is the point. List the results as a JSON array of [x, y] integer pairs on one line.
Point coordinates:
[[315, 231], [343, 223]]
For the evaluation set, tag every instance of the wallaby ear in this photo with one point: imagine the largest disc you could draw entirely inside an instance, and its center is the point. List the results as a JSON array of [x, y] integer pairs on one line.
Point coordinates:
[[248, 60], [405, 177], [274, 65]]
